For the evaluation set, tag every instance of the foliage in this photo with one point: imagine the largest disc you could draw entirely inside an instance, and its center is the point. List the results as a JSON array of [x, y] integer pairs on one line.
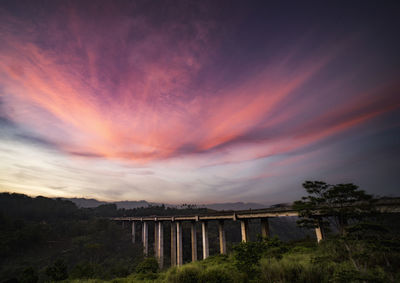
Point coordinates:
[[364, 251], [187, 274], [148, 265], [371, 251], [292, 267], [299, 262], [95, 249], [217, 275], [212, 270], [34, 232], [340, 203], [57, 271], [29, 275], [248, 254], [84, 270]]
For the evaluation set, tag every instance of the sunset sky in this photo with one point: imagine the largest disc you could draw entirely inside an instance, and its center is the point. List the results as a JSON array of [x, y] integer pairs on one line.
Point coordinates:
[[198, 101]]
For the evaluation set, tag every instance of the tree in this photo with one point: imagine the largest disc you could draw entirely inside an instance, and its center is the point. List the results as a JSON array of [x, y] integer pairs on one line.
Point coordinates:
[[58, 271], [369, 247], [29, 275], [339, 203], [248, 254], [149, 265]]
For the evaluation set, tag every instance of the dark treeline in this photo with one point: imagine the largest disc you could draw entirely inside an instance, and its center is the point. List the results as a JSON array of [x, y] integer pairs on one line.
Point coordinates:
[[47, 240], [44, 239], [40, 235], [48, 209]]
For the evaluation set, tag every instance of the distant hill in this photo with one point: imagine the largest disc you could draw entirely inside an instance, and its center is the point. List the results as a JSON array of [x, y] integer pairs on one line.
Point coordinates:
[[90, 203], [85, 202]]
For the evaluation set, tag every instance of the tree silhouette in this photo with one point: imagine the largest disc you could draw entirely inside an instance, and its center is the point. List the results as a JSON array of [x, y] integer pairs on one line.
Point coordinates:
[[336, 204]]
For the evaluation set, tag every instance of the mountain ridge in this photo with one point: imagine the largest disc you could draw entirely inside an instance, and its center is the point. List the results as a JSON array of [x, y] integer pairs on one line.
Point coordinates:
[[91, 203]]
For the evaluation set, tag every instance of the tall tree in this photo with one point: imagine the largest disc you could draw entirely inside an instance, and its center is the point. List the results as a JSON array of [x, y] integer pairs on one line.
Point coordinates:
[[339, 203]]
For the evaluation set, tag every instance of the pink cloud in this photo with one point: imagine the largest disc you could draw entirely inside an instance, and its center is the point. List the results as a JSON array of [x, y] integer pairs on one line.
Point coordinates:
[[119, 97]]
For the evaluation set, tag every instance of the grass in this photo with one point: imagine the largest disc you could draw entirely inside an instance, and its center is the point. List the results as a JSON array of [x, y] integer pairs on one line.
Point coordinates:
[[298, 263]]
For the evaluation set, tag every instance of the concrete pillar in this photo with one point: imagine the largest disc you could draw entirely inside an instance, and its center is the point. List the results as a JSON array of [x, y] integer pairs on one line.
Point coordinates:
[[319, 232], [160, 245], [145, 235], [173, 243], [156, 239], [264, 228], [123, 224], [204, 230], [222, 242], [193, 231], [133, 232], [244, 224], [179, 247]]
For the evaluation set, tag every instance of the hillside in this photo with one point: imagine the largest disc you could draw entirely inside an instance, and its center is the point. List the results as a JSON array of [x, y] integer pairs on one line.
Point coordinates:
[[90, 203], [47, 240]]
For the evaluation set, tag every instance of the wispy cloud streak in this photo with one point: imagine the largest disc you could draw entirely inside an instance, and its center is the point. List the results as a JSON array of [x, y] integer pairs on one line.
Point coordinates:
[[145, 89]]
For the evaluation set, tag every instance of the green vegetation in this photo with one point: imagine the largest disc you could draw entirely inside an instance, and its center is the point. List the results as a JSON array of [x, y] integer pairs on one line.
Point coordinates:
[[47, 240], [275, 261], [336, 204]]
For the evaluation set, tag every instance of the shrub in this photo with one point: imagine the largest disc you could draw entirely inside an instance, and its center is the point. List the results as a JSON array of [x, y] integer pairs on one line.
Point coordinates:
[[216, 275], [149, 265], [58, 271], [292, 268], [29, 275], [247, 255], [186, 274], [83, 270]]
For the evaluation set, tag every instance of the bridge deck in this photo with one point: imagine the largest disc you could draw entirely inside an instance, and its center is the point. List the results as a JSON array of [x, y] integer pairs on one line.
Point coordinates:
[[220, 215], [386, 207]]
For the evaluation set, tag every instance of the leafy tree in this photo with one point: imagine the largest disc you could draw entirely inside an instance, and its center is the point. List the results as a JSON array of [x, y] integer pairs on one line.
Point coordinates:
[[368, 247], [29, 275], [149, 265], [84, 270], [340, 203], [248, 254], [217, 275], [187, 274], [58, 271]]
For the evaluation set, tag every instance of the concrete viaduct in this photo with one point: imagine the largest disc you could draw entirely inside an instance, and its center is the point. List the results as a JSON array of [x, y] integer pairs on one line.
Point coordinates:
[[176, 230], [243, 216]]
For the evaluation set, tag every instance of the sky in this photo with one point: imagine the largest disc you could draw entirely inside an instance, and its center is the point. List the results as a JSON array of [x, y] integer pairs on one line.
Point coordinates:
[[198, 101]]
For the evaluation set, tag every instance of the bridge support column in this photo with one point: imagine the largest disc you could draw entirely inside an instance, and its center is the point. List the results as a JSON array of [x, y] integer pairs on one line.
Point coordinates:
[[222, 242], [204, 230], [179, 248], [264, 228], [193, 231], [160, 244], [244, 225], [319, 232], [173, 243], [133, 232], [145, 236], [156, 239]]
